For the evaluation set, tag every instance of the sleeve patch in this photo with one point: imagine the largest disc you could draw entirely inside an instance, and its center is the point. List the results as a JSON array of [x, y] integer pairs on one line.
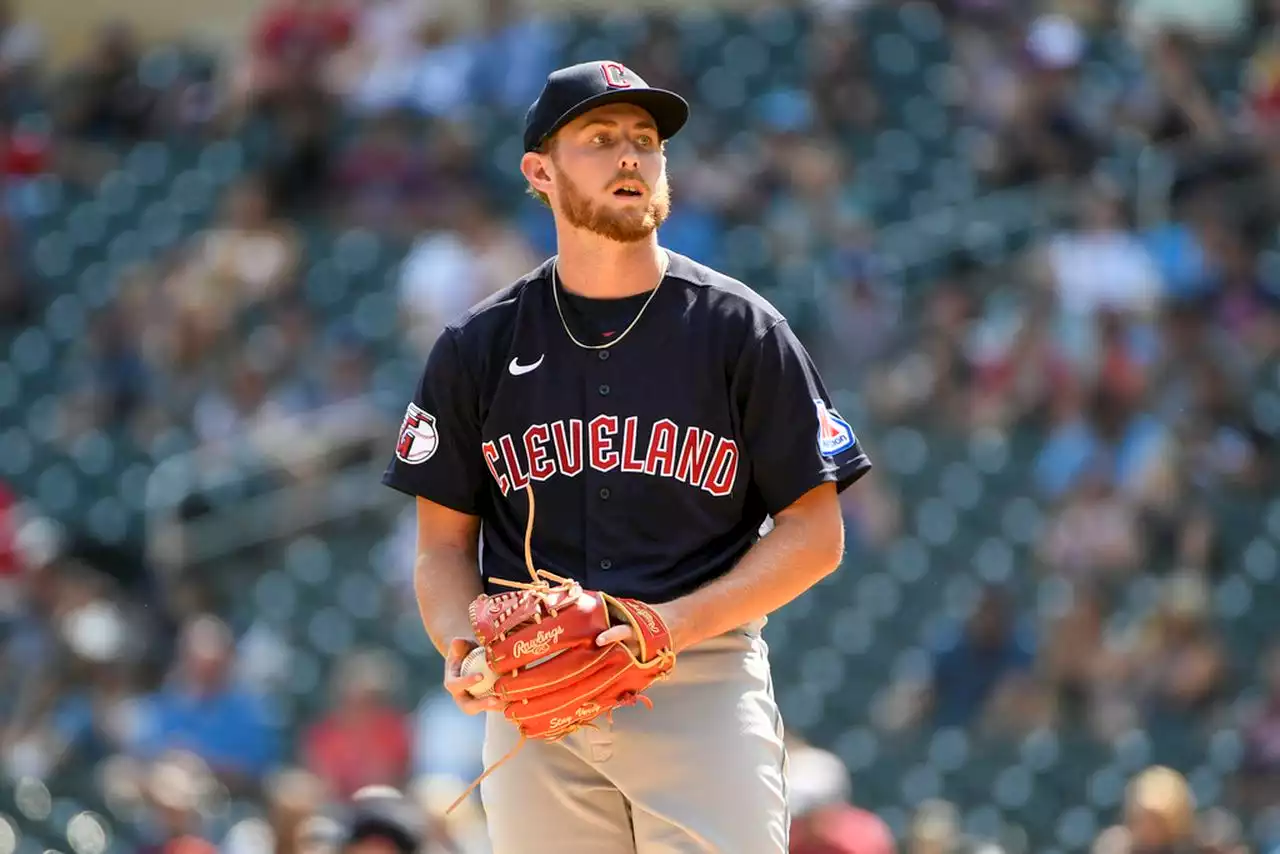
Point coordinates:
[[418, 436], [834, 433]]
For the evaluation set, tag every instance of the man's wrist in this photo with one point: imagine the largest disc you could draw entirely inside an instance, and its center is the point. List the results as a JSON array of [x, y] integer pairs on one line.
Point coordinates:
[[675, 615]]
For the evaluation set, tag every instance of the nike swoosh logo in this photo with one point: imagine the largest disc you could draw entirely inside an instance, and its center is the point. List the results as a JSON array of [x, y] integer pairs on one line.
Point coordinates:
[[517, 369]]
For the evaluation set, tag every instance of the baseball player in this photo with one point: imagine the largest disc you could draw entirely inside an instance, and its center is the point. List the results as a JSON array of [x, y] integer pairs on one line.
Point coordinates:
[[663, 413]]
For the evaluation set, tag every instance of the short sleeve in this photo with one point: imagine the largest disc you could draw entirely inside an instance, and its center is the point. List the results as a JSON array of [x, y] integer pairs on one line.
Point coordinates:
[[794, 437], [437, 455]]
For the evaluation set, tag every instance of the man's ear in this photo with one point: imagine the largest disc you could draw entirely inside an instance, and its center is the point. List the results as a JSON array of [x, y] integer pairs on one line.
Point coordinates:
[[534, 167]]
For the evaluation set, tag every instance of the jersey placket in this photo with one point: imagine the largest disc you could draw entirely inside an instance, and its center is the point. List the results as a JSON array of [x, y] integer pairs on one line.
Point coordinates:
[[604, 422]]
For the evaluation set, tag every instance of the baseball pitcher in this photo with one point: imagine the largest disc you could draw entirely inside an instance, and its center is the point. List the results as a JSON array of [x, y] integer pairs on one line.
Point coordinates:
[[594, 452]]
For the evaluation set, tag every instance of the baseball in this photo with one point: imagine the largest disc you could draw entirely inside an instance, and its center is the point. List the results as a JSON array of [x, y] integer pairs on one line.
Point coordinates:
[[475, 663]]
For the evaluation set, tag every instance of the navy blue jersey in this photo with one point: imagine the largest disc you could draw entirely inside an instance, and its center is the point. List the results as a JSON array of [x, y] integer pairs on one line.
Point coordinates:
[[654, 462]]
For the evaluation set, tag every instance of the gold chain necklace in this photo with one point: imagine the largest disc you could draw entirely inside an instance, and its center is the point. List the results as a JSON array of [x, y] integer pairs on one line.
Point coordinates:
[[555, 294]]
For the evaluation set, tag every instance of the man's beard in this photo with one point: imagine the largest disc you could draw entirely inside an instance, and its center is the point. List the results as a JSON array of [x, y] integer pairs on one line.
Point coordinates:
[[623, 226]]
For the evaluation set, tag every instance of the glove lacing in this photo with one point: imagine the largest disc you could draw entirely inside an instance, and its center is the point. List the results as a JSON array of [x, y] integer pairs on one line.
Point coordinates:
[[540, 587]]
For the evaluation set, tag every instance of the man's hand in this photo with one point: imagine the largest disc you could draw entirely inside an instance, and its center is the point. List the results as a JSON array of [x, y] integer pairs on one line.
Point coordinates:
[[456, 684], [627, 635]]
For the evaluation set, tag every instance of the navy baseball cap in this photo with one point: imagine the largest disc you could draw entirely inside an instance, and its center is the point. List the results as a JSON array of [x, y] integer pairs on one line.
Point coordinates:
[[570, 92]]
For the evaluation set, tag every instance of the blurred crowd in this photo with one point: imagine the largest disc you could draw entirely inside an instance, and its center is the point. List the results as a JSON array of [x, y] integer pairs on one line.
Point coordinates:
[[1129, 348]]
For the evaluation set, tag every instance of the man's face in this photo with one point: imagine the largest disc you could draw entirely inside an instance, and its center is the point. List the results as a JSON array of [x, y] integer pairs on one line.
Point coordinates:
[[608, 174]]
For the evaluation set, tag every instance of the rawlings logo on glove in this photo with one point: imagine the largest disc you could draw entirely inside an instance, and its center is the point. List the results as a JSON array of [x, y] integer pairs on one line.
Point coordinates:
[[540, 640]]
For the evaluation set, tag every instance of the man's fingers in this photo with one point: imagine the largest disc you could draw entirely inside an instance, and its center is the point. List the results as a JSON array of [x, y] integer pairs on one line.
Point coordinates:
[[458, 649], [476, 705], [617, 633]]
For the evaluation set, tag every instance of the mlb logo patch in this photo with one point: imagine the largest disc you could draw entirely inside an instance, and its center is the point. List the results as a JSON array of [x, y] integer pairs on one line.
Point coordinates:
[[418, 437], [834, 433]]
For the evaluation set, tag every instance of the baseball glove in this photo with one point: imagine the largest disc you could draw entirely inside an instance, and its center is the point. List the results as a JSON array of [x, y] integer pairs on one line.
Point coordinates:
[[540, 640]]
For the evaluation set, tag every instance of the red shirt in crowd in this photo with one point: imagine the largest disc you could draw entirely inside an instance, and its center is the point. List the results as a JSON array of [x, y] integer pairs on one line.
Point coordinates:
[[303, 29], [841, 829], [367, 748]]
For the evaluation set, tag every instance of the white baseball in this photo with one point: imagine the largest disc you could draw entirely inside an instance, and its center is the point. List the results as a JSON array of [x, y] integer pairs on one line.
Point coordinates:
[[475, 663]]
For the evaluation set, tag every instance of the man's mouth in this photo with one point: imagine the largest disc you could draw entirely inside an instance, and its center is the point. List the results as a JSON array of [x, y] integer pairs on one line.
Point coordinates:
[[628, 193]]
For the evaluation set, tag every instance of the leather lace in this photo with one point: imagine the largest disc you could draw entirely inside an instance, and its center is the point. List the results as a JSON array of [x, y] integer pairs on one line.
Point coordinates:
[[538, 587]]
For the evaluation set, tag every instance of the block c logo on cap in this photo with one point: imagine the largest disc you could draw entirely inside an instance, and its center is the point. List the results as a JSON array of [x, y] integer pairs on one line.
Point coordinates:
[[615, 75]]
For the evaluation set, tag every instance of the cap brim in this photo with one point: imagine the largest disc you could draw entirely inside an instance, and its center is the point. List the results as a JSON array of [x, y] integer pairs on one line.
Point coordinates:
[[669, 110]]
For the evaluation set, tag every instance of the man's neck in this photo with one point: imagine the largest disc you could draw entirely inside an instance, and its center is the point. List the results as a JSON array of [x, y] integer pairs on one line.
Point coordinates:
[[591, 266]]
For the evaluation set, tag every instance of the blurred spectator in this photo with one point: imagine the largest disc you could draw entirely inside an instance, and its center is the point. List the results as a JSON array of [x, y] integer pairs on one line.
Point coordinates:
[[73, 699], [1159, 816], [201, 711], [970, 664], [1020, 371], [1221, 20], [382, 821], [21, 50], [516, 47], [378, 68], [1099, 264], [1176, 671], [448, 271], [293, 45], [1111, 438], [927, 375], [1220, 832], [1245, 300], [384, 176], [936, 829], [17, 305], [1259, 779], [248, 258], [1044, 131], [104, 99], [177, 791], [298, 160], [116, 381], [844, 102], [1094, 534], [822, 819], [1172, 104], [1081, 667], [293, 797], [365, 740]]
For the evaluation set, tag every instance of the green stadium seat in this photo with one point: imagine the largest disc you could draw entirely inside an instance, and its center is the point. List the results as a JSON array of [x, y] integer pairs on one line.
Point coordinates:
[[53, 255], [117, 194], [148, 163], [64, 319]]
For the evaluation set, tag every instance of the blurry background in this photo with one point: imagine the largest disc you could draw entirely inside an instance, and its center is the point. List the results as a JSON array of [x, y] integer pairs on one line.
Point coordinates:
[[1033, 246]]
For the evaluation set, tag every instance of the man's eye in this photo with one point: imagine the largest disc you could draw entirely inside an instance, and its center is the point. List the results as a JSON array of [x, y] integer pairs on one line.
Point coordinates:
[[645, 140], [600, 139]]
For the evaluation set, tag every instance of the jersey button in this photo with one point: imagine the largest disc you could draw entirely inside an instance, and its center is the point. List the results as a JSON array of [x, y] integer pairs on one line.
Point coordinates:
[[604, 355], [604, 389], [604, 493], [606, 564]]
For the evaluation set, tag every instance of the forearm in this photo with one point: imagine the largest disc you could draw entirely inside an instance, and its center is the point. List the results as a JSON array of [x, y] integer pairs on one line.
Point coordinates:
[[446, 580], [793, 557]]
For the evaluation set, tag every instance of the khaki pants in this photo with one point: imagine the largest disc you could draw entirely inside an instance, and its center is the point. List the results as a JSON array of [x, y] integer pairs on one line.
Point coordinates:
[[702, 771]]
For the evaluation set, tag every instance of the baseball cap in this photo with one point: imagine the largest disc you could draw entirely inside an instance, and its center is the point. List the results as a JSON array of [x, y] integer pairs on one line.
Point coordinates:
[[378, 811], [569, 92]]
